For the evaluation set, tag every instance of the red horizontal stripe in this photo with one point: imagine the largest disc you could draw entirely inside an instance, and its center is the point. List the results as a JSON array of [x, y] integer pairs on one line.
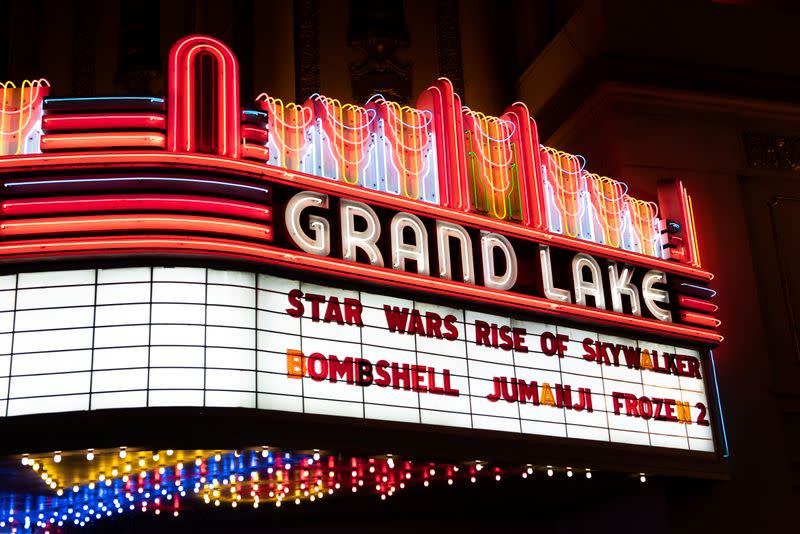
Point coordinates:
[[697, 304], [261, 153], [700, 319], [165, 202], [258, 135], [331, 266]]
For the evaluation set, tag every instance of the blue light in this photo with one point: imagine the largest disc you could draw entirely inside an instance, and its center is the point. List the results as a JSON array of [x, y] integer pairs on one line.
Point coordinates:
[[727, 452]]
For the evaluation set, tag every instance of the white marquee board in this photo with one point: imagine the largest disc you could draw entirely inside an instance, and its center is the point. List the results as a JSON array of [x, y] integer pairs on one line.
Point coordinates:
[[137, 337]]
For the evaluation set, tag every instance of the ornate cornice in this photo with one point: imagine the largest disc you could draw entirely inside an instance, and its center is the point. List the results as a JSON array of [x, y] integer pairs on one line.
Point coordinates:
[[769, 151], [306, 48], [448, 43]]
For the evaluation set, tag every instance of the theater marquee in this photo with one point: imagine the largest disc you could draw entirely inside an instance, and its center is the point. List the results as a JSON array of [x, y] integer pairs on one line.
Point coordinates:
[[428, 265]]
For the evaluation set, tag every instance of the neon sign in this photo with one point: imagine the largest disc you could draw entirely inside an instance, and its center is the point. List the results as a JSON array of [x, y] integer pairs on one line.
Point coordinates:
[[473, 200]]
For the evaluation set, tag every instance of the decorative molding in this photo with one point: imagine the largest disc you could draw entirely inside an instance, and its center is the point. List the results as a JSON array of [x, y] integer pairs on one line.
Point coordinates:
[[306, 48], [768, 151], [378, 33], [242, 41], [448, 43]]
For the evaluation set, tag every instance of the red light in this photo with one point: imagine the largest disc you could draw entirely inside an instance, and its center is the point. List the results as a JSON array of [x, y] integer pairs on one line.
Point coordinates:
[[330, 266], [88, 204], [696, 304]]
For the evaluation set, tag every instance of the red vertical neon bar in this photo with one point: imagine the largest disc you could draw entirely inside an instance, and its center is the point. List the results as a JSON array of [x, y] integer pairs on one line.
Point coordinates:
[[184, 76], [441, 100], [534, 214]]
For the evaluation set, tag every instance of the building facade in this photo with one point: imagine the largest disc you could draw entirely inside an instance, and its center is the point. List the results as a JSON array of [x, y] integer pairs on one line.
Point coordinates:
[[250, 269]]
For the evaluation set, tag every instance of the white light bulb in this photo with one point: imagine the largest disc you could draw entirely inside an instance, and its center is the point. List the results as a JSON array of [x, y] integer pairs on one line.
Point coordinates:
[[122, 452], [90, 454], [642, 478], [57, 457]]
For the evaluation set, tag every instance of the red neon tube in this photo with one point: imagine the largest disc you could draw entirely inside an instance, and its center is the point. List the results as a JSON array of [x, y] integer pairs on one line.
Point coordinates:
[[260, 153], [104, 121], [696, 304], [254, 134], [88, 204], [134, 223], [102, 160], [95, 141], [331, 266], [700, 319]]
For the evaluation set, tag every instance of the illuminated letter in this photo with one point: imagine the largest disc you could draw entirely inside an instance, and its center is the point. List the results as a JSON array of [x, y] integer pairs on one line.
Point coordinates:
[[489, 242], [652, 295], [320, 244], [620, 284], [584, 288], [444, 231], [353, 239], [402, 251], [550, 291]]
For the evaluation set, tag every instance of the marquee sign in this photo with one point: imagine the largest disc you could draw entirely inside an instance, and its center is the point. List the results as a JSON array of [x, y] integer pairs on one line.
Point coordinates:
[[523, 261], [155, 336]]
